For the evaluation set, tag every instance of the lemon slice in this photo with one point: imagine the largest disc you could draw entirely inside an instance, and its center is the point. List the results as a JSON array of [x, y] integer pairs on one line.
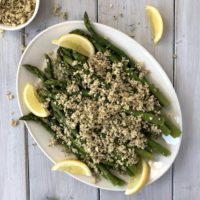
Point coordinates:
[[32, 101], [73, 166], [139, 180], [77, 43], [156, 23]]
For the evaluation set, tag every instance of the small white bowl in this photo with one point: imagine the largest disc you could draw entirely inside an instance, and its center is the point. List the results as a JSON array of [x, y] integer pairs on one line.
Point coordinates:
[[14, 28]]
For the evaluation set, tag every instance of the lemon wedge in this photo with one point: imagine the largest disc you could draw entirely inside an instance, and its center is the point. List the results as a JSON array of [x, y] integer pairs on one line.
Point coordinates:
[[156, 23], [73, 166], [77, 43], [138, 180], [32, 101]]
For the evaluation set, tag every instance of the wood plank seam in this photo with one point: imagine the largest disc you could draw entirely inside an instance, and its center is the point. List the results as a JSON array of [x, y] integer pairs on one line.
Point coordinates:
[[26, 162], [174, 43], [174, 81], [174, 74]]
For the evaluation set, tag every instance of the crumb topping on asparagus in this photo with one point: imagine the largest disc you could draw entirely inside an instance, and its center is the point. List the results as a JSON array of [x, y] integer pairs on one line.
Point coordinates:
[[95, 97]]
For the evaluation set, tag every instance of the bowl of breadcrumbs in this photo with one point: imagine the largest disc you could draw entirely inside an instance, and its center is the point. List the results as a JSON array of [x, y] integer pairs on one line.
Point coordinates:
[[16, 14]]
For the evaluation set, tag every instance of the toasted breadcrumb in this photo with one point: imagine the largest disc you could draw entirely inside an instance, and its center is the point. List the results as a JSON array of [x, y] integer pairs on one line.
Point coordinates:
[[52, 142], [58, 13], [10, 96], [14, 122]]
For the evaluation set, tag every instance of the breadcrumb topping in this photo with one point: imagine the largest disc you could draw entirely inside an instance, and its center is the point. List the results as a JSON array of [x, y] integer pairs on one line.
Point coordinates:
[[105, 130]]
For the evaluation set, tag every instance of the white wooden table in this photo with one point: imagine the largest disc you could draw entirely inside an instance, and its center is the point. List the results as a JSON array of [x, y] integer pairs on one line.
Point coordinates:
[[25, 172]]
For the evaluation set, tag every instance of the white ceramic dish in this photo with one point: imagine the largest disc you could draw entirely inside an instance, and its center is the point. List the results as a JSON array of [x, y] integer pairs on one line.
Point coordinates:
[[34, 55], [14, 28]]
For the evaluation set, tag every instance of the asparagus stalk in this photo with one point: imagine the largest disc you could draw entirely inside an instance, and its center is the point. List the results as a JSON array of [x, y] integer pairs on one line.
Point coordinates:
[[158, 148], [34, 70], [144, 154], [108, 175], [49, 69]]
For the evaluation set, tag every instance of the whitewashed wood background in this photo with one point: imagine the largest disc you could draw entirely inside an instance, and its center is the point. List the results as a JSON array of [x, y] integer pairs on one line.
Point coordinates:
[[25, 172]]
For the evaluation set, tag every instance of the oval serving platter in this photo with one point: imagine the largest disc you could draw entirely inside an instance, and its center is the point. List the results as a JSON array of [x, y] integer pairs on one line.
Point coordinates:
[[34, 55]]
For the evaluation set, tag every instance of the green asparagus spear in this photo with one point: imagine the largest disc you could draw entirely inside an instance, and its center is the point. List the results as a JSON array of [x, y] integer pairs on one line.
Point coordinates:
[[100, 39], [36, 71], [108, 175], [53, 82], [49, 68], [129, 172], [79, 57], [144, 154], [175, 131], [165, 130], [158, 148], [68, 60], [82, 33], [46, 94], [158, 120], [133, 169], [60, 116], [69, 56], [66, 52], [32, 117], [162, 99]]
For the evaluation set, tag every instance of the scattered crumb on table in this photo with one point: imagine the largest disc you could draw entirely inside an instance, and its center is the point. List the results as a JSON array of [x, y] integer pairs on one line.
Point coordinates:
[[34, 144], [10, 96], [63, 15], [57, 12], [13, 122], [174, 56], [114, 17], [56, 9]]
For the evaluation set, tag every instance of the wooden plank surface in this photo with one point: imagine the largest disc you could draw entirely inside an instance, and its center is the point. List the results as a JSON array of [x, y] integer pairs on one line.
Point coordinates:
[[129, 16], [45, 184], [12, 142], [25, 172], [186, 169]]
